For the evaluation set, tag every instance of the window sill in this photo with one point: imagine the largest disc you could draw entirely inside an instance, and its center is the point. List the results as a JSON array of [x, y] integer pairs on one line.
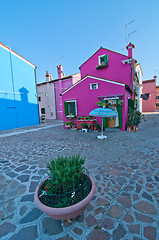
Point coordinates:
[[102, 66], [70, 116]]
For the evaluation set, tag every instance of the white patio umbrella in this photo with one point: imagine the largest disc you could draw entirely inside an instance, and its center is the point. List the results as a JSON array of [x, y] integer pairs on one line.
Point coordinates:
[[103, 112]]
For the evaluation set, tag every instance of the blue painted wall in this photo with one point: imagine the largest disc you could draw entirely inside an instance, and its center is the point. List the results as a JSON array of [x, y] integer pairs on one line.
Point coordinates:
[[18, 103]]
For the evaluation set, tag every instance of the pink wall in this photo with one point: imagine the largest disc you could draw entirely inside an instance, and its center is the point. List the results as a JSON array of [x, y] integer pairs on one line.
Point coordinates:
[[60, 86], [149, 105], [116, 71], [86, 98]]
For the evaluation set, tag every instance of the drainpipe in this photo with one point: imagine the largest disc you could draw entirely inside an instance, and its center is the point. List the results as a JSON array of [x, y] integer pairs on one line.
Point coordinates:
[[16, 118], [55, 102], [37, 93]]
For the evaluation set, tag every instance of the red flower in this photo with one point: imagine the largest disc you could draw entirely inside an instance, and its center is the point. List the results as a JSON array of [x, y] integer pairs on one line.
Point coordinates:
[[46, 186], [50, 184]]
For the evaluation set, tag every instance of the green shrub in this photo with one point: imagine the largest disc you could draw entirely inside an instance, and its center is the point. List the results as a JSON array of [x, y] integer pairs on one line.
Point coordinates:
[[84, 125], [68, 123], [65, 173], [97, 126]]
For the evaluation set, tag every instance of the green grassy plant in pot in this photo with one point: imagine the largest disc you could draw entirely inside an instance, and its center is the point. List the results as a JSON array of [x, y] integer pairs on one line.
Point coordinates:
[[67, 190], [68, 124]]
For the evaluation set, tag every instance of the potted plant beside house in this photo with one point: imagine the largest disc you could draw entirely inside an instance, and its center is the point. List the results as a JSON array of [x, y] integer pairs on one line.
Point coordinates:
[[120, 102], [70, 117], [129, 125], [68, 124], [96, 127], [67, 190], [99, 104], [137, 118], [74, 126], [85, 127], [88, 126]]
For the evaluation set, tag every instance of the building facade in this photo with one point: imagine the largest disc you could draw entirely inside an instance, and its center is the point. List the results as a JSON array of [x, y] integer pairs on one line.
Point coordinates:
[[149, 95], [138, 86], [18, 94], [157, 98], [106, 76], [50, 101]]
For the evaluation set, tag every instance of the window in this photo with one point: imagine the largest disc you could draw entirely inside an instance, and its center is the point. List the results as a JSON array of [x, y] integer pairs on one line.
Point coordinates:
[[39, 99], [157, 97], [42, 110], [94, 86], [103, 62], [157, 104], [103, 59], [70, 108]]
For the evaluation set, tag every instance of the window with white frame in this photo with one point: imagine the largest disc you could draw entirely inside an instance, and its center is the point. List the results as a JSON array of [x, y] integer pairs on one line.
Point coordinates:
[[94, 86], [70, 108], [103, 59]]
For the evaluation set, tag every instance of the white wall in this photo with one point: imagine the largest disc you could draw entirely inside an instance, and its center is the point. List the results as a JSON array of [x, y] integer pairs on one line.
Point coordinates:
[[47, 94], [139, 88]]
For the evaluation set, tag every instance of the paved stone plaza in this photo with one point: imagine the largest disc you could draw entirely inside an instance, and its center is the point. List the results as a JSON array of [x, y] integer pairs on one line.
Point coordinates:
[[125, 167]]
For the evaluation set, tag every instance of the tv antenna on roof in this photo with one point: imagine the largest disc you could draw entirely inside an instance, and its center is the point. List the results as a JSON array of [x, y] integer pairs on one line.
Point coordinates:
[[127, 35], [60, 59], [50, 65]]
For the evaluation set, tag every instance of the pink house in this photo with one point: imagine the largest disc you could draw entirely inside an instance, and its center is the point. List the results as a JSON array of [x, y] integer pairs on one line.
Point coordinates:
[[149, 89], [49, 99], [107, 76]]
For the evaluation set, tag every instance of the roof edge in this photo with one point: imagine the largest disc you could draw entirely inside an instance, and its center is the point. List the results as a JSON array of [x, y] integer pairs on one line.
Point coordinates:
[[16, 54], [57, 79], [147, 81], [105, 49], [111, 81]]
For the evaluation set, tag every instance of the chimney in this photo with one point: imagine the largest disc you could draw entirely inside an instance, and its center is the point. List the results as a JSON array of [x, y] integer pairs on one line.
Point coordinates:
[[48, 77], [60, 71], [155, 77], [130, 50]]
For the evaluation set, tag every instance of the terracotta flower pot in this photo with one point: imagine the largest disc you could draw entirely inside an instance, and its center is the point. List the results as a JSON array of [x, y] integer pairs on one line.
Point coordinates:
[[129, 128], [135, 128], [66, 212]]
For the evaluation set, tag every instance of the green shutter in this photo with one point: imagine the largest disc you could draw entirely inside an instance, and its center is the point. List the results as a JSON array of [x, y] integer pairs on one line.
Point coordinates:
[[66, 108], [119, 109], [74, 109], [105, 59]]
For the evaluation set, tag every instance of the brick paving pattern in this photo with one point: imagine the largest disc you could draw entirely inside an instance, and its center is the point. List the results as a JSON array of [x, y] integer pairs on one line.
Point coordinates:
[[125, 167]]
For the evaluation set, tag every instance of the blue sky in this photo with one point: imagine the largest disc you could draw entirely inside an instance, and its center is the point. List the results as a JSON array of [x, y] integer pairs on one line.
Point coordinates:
[[68, 32]]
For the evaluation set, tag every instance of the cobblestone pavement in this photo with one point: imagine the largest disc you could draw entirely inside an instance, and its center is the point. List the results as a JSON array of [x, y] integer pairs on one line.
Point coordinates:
[[125, 167]]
